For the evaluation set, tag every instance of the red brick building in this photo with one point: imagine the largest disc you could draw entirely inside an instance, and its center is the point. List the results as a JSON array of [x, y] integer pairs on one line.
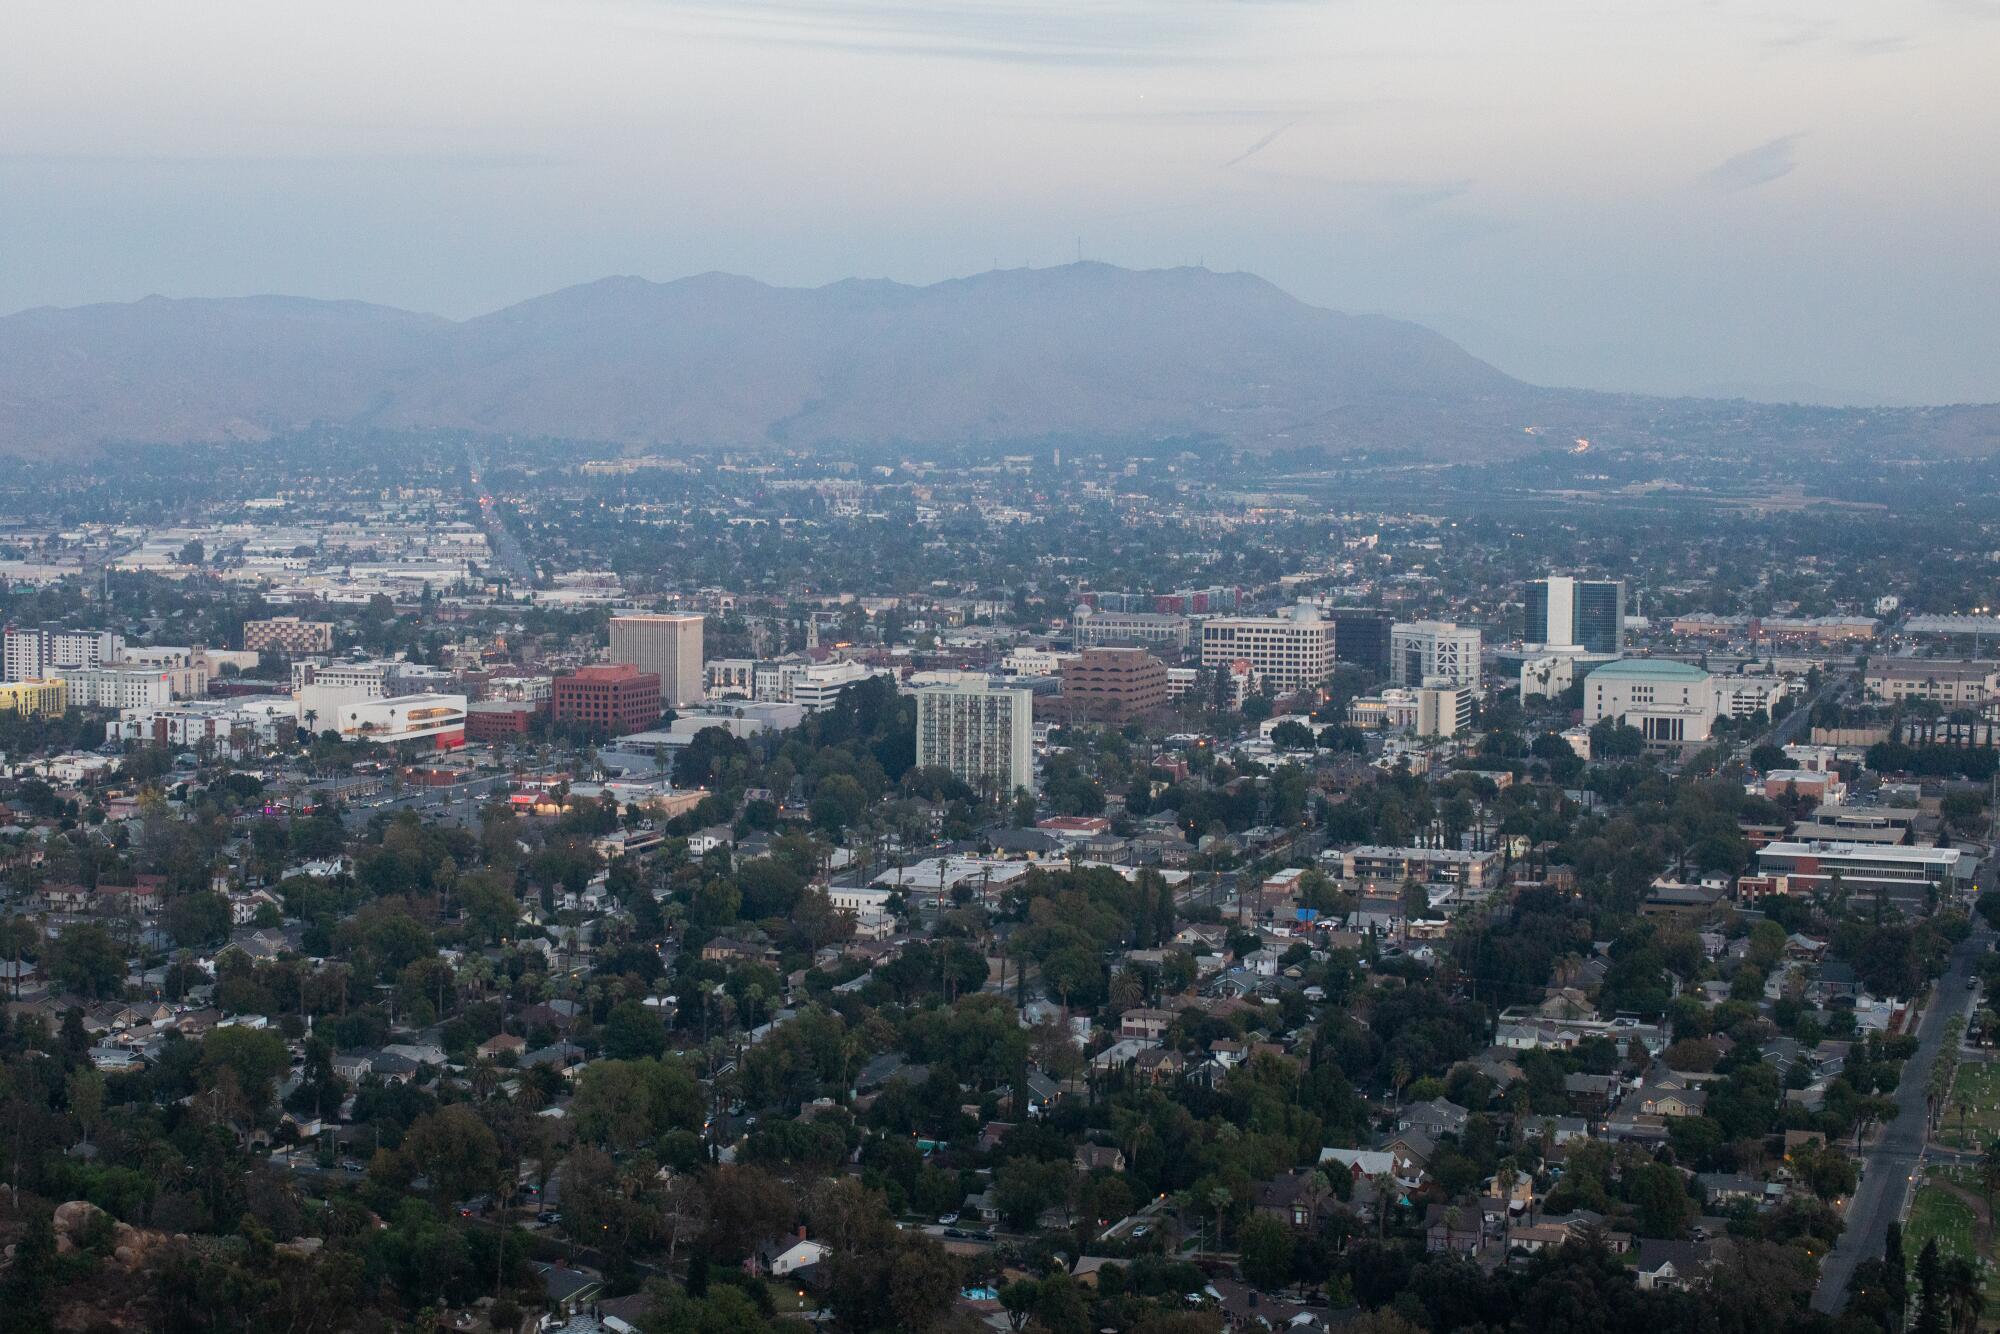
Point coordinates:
[[498, 720], [1113, 684], [610, 697]]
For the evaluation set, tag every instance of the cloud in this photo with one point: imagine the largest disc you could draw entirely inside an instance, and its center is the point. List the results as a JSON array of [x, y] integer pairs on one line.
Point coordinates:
[[1795, 39], [1881, 46], [1107, 33], [1263, 142], [1156, 111], [1757, 166], [468, 161]]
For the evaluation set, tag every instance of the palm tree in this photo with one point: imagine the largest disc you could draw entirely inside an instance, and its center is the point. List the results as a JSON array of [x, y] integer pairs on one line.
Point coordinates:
[[1399, 1075], [1385, 1199], [1219, 1197]]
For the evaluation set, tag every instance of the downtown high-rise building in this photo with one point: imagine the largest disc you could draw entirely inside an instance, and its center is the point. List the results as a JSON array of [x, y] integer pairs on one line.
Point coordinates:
[[33, 655], [982, 733], [1361, 636], [1424, 653], [1564, 611], [668, 646]]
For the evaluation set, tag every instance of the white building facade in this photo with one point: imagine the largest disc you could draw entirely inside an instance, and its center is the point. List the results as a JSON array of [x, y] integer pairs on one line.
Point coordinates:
[[1665, 701], [982, 733], [1291, 650], [1421, 652], [35, 655]]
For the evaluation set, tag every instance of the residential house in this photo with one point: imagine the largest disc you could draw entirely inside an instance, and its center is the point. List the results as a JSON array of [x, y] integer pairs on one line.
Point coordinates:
[[1726, 1188], [1592, 1095], [1147, 1025], [567, 1289], [501, 1044], [1099, 1158], [1436, 1118], [782, 1256], [1452, 1229], [1657, 1100], [1292, 1198], [1672, 1264]]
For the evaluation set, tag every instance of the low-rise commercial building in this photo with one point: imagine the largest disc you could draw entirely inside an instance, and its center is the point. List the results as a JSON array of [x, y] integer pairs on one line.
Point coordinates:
[[120, 687], [1104, 629], [435, 718], [499, 720], [35, 699], [1745, 696], [817, 686], [1909, 877], [288, 635], [607, 697], [1939, 680]]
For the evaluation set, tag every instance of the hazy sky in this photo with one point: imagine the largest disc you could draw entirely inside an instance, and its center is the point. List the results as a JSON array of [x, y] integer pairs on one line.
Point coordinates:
[[1682, 197]]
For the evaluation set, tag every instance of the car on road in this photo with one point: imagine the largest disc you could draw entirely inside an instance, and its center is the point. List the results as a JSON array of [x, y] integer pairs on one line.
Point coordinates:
[[948, 1219]]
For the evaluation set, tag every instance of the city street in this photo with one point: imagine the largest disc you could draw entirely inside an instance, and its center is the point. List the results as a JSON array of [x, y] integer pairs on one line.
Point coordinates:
[[1891, 1165]]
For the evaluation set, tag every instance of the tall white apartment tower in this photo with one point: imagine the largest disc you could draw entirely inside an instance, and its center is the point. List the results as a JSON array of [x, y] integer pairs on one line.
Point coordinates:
[[32, 655], [984, 734], [669, 646]]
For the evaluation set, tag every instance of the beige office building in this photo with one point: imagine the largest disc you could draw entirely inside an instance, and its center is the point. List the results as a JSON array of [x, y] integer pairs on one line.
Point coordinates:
[[669, 646]]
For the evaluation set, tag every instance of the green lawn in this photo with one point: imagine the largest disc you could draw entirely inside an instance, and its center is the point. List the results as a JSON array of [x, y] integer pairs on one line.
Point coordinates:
[[1972, 1119], [1949, 1218], [786, 1300], [1939, 1213]]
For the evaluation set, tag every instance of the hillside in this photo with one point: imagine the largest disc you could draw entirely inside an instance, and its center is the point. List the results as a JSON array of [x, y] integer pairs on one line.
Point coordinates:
[[1086, 350], [1083, 351]]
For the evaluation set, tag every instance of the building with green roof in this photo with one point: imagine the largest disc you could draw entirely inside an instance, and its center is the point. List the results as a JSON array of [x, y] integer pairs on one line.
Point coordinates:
[[1669, 703]]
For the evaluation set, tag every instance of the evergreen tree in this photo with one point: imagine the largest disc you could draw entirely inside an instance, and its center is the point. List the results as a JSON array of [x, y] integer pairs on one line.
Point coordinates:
[[1896, 1275], [1930, 1291]]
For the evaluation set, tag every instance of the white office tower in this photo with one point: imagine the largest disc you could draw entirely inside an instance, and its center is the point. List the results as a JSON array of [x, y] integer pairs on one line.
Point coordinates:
[[669, 646], [1563, 610], [1290, 650], [1420, 652], [982, 733]]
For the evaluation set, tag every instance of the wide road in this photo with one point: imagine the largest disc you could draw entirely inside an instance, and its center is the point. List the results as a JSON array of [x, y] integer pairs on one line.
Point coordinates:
[[1889, 1165], [508, 553]]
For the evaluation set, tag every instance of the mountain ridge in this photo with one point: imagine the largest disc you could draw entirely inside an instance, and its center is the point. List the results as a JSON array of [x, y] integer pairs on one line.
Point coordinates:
[[722, 360]]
